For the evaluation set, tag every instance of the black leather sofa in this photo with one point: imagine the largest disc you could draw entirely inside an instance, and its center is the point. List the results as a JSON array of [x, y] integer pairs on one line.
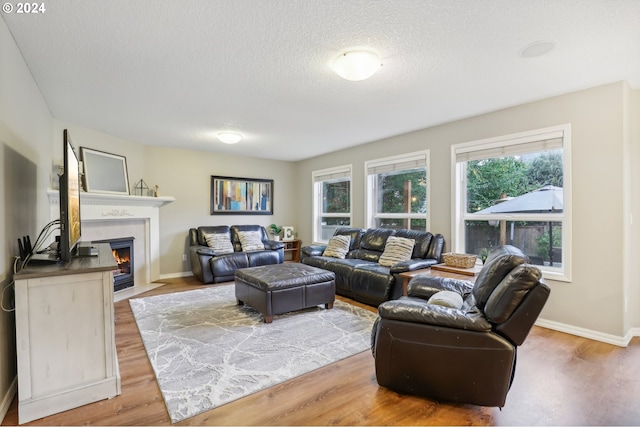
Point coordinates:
[[360, 277], [210, 267], [463, 351]]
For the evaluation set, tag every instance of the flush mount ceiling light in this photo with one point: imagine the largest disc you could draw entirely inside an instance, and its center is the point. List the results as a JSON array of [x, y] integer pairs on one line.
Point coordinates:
[[356, 65], [536, 49], [229, 137]]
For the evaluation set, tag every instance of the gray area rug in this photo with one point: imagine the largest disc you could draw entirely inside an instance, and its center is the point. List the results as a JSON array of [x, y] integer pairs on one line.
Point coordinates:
[[207, 351]]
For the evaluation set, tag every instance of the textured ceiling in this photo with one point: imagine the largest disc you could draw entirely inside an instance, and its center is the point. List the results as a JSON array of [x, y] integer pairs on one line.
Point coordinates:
[[174, 73]]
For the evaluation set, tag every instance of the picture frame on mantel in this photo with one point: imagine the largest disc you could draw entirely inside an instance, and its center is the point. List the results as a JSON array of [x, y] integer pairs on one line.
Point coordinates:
[[241, 196], [104, 172]]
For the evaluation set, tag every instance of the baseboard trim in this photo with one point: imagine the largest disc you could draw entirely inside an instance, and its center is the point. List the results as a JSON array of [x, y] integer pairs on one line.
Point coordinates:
[[621, 341], [176, 275], [8, 398]]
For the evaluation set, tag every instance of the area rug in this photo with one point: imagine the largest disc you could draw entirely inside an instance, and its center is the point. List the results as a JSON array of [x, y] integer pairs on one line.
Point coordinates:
[[207, 351]]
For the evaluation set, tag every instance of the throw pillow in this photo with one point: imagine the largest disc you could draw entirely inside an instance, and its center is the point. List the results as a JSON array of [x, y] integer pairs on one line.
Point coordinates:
[[446, 299], [251, 241], [338, 247], [397, 249], [219, 242]]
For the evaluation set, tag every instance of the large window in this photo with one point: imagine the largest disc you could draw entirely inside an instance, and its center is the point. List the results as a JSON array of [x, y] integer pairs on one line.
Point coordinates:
[[515, 190], [398, 192], [331, 202]]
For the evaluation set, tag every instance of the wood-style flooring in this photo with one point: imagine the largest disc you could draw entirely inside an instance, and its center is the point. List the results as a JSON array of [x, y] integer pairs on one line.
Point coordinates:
[[560, 380]]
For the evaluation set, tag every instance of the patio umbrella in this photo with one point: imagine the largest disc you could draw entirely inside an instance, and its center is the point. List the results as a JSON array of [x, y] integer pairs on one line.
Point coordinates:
[[543, 200]]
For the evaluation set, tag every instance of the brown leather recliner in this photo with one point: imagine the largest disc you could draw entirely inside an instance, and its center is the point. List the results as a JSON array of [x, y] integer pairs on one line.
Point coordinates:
[[460, 345]]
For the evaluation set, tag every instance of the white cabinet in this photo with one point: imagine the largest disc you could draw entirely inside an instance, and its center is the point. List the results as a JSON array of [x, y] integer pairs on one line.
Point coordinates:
[[65, 335]]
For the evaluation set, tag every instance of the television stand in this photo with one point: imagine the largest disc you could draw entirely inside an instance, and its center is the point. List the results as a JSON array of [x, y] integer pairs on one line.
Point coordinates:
[[65, 335]]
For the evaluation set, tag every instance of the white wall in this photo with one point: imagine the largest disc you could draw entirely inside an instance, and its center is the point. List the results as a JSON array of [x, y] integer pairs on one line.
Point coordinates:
[[25, 157], [594, 300]]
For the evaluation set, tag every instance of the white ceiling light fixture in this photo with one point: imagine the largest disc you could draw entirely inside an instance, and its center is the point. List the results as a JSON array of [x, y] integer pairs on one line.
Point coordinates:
[[229, 137], [356, 65], [536, 49]]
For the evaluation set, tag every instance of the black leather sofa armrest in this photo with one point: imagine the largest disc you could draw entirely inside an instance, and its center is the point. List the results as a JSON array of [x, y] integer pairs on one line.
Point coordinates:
[[202, 250], [313, 250], [411, 265], [273, 245], [417, 310], [424, 286]]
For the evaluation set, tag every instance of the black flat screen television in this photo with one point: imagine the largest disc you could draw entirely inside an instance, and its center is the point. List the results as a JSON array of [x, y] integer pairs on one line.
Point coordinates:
[[70, 227]]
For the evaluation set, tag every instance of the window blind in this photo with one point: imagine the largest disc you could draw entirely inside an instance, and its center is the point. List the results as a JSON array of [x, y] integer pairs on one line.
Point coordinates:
[[399, 164], [333, 174], [513, 148]]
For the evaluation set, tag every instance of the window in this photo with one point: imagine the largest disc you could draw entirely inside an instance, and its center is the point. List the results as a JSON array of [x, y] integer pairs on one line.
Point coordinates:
[[515, 190], [331, 202], [398, 192]]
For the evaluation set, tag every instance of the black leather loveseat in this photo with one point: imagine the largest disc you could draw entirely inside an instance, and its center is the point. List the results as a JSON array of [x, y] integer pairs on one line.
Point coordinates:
[[216, 252], [359, 275]]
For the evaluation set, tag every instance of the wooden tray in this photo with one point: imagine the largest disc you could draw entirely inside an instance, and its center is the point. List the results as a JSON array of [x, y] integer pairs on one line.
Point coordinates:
[[466, 271]]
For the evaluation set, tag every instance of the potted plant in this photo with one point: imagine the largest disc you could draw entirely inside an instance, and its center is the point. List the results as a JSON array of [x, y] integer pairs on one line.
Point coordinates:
[[484, 253], [275, 231]]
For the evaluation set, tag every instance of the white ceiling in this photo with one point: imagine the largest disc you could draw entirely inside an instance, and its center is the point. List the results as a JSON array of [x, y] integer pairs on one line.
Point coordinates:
[[175, 72]]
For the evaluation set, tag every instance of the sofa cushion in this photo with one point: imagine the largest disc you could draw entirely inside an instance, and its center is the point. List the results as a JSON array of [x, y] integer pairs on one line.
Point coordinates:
[[446, 299], [396, 250], [375, 239], [337, 247], [422, 238], [355, 234], [251, 241], [497, 265], [219, 242], [510, 292], [371, 283], [209, 229]]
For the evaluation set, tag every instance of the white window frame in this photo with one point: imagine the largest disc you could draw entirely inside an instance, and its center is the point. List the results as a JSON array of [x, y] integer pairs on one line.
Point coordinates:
[[318, 177], [398, 163], [504, 145]]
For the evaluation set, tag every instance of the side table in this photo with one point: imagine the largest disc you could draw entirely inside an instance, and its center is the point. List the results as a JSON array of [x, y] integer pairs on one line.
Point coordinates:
[[292, 250]]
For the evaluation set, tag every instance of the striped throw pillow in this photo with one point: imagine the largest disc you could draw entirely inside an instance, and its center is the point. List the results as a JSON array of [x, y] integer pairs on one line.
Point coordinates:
[[219, 242], [396, 250], [337, 247], [251, 241]]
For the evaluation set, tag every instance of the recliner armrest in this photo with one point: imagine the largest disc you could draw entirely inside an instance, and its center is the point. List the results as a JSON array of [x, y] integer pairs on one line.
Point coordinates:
[[273, 245], [411, 265], [424, 286], [417, 310], [203, 250], [313, 250]]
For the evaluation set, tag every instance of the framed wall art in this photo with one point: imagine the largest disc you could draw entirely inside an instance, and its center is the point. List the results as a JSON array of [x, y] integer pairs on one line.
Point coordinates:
[[241, 196], [288, 233], [104, 172]]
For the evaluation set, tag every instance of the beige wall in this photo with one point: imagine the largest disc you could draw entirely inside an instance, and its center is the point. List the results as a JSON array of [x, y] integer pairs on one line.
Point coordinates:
[[25, 156], [633, 249], [89, 138], [597, 119], [186, 175]]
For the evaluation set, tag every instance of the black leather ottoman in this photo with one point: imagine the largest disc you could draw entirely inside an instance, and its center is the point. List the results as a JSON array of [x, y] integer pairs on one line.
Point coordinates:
[[280, 288]]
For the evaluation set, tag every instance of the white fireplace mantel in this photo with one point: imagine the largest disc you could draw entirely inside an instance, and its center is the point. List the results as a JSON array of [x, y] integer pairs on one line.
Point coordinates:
[[96, 207]]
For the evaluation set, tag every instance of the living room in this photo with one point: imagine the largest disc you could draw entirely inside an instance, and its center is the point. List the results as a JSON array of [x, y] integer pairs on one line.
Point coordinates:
[[599, 302]]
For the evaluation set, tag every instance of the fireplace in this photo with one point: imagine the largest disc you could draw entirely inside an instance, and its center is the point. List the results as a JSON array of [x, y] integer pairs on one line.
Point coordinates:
[[123, 253]]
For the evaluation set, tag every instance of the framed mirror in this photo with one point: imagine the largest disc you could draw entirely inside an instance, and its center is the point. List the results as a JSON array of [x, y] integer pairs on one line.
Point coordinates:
[[104, 172]]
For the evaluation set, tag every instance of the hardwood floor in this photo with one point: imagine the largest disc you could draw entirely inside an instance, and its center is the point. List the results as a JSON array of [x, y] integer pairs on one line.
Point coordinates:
[[560, 380]]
